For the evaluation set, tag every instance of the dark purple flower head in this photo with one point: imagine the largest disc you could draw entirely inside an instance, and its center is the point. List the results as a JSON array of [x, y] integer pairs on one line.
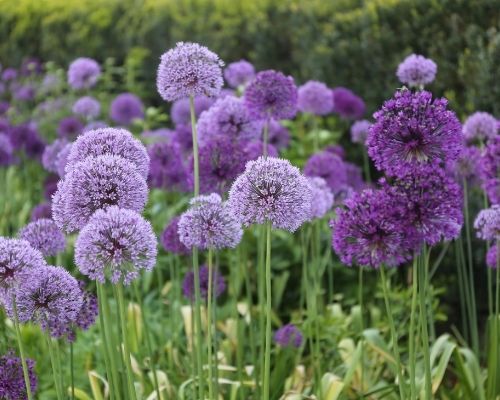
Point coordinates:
[[347, 104], [492, 257], [181, 113], [6, 151], [288, 335], [166, 167], [413, 130], [480, 126], [44, 235], [416, 70], [271, 95], [25, 92], [12, 386], [4, 106], [239, 73], [125, 108], [336, 149], [328, 166], [489, 170], [255, 149], [487, 223], [83, 73], [189, 69], [315, 98], [170, 239], [51, 154], [50, 186], [69, 128], [9, 74], [183, 136], [279, 136], [219, 285], [26, 137], [116, 245], [273, 190], [87, 107], [209, 223], [359, 131], [322, 197], [41, 211], [466, 166]]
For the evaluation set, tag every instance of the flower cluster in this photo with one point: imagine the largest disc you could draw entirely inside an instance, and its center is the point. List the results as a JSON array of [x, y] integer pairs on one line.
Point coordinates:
[[239, 73], [87, 107], [480, 126], [125, 108], [487, 223], [181, 113], [288, 335], [359, 131], [489, 170], [416, 70], [328, 166], [12, 386], [45, 236], [83, 73], [315, 98], [322, 197], [188, 289], [347, 104]]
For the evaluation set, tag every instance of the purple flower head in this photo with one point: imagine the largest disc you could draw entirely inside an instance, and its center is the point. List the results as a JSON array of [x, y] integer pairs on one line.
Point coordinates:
[[255, 149], [489, 170], [12, 386], [279, 136], [93, 125], [41, 211], [322, 197], [116, 245], [50, 83], [315, 98], [6, 151], [359, 131], [487, 223], [183, 136], [44, 235], [480, 126], [9, 74], [416, 70], [209, 223], [50, 186], [328, 166], [189, 69], [226, 92], [347, 104], [288, 335], [51, 153], [239, 73], [4, 105], [70, 128], [170, 239], [336, 149], [83, 73], [125, 108], [466, 166], [166, 167], [25, 136], [87, 107], [219, 285], [62, 159], [492, 257], [273, 190], [354, 176], [24, 92], [413, 130], [97, 183], [181, 113]]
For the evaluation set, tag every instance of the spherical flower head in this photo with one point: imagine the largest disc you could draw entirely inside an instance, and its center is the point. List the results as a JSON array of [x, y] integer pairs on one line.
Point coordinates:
[[336, 149], [288, 335], [12, 386], [492, 257], [183, 136], [489, 170], [166, 167], [24, 92], [4, 105], [271, 95], [322, 197], [125, 108], [26, 137], [228, 117], [271, 190], [328, 166], [219, 285], [87, 107], [347, 104], [480, 126], [9, 74], [487, 223], [44, 235], [412, 131], [97, 183], [62, 159], [359, 131], [466, 166], [170, 239], [315, 98], [83, 73], [416, 70], [279, 136], [209, 223], [6, 151], [189, 69], [239, 73], [43, 210], [255, 149], [111, 141], [181, 112], [51, 153], [69, 128]]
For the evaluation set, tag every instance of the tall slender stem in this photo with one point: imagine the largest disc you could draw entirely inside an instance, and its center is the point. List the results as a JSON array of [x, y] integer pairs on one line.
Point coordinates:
[[413, 390], [72, 370], [194, 133], [261, 289], [362, 326], [267, 357], [423, 292], [54, 368], [494, 352], [209, 326]]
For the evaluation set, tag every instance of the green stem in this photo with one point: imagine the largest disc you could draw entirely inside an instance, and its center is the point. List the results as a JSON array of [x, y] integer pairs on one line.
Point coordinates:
[[267, 357], [266, 138], [209, 326], [21, 349], [261, 288], [54, 368], [72, 370], [413, 390], [362, 326], [494, 353], [423, 292], [59, 367]]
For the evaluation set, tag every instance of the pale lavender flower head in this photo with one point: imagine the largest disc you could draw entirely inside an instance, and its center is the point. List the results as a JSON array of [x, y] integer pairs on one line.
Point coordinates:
[[492, 257], [45, 236], [83, 73], [411, 131], [70, 128], [359, 131], [181, 113], [489, 170], [170, 239], [40, 211], [62, 159], [189, 69], [6, 151], [487, 223], [115, 245], [126, 108], [51, 153], [322, 197], [347, 104], [239, 73], [288, 335], [255, 149], [466, 166], [279, 136], [87, 107], [416, 70], [273, 190], [209, 223], [166, 167], [328, 166], [480, 126], [218, 283], [12, 386], [271, 95], [9, 74], [315, 98]]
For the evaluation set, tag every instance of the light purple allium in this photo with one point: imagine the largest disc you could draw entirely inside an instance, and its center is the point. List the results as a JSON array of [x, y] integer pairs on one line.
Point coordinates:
[[273, 190], [50, 83], [83, 73], [6, 151], [315, 98], [93, 125], [24, 92], [40, 211], [116, 245], [181, 113], [50, 186], [228, 117], [487, 223], [166, 168], [12, 386], [480, 126], [354, 176], [336, 149], [209, 223], [239, 73], [170, 239], [9, 74], [413, 130], [489, 170], [288, 335], [466, 166], [125, 108], [322, 197], [359, 131], [97, 183], [492, 257], [271, 95], [328, 166], [51, 153], [110, 141], [62, 159], [69, 128], [279, 136], [255, 149], [189, 69], [416, 70], [219, 285], [183, 136], [87, 107], [45, 236], [347, 104]]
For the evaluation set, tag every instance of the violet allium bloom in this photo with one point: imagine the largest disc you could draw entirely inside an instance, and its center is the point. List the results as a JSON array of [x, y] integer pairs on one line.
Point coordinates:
[[271, 95], [255, 149], [70, 128], [62, 159], [6, 151], [26, 137], [125, 108], [359, 131], [492, 257], [322, 197], [166, 167], [315, 98], [87, 107], [97, 183], [40, 211], [489, 170], [116, 245], [183, 136], [480, 126], [347, 104], [35, 146], [209, 223], [189, 69], [12, 386], [273, 190], [181, 113], [83, 73], [487, 223], [288, 335], [279, 136], [93, 125], [170, 239], [51, 153], [328, 166], [110, 141], [45, 236], [9, 74], [466, 166], [354, 176], [413, 130], [24, 92], [228, 117], [416, 70], [239, 73], [50, 186], [218, 284], [336, 149], [4, 106]]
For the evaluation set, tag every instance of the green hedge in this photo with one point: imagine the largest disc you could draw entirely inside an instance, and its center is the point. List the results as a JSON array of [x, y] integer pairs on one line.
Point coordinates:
[[356, 43]]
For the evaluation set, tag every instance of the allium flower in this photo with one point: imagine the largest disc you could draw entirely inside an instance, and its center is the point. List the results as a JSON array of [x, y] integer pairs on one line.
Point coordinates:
[[44, 235], [322, 197], [40, 211], [111, 141], [26, 137], [279, 136], [181, 113], [271, 95], [170, 239], [416, 70], [166, 168], [489, 170], [492, 257], [288, 335], [70, 128], [24, 92], [6, 151], [359, 131], [83, 73], [336, 149], [219, 285], [12, 386], [273, 190], [62, 159], [87, 107], [125, 108], [347, 104], [183, 136], [209, 223], [228, 117], [466, 166], [116, 244], [328, 166], [480, 126], [51, 153], [9, 74], [4, 105], [189, 70], [413, 130], [354, 176], [255, 149], [239, 73], [487, 223], [315, 98], [97, 183]]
